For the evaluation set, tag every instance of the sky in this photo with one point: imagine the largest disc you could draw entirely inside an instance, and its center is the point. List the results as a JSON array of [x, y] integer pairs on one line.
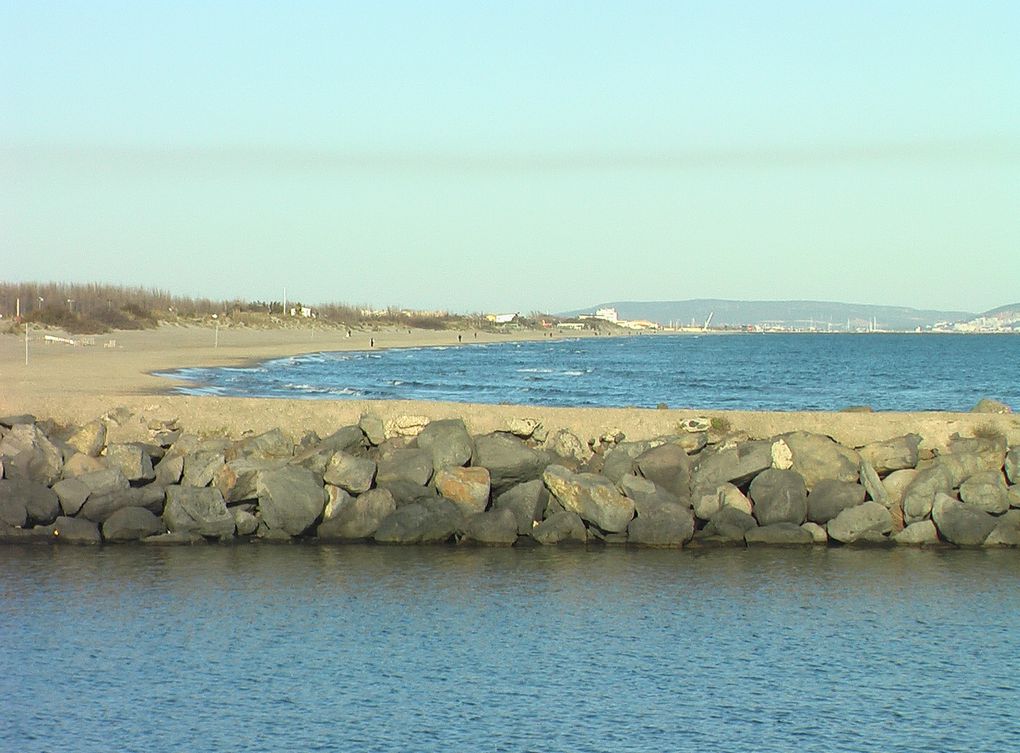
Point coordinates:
[[525, 156]]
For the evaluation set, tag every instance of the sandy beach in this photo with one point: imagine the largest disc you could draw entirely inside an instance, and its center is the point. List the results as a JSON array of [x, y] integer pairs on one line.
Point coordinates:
[[76, 383]]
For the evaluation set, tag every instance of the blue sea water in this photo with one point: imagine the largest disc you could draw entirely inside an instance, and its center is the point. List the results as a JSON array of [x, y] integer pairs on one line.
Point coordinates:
[[365, 648], [784, 372]]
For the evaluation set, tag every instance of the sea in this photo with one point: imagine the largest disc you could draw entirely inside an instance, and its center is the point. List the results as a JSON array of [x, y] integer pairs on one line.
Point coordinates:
[[761, 371], [302, 647]]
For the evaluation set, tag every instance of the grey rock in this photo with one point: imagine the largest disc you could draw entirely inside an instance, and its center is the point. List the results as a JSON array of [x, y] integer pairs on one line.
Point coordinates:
[[13, 420], [346, 438], [429, 523], [315, 458], [526, 501], [921, 533], [736, 465], [99, 507], [708, 501], [131, 524], [291, 499], [75, 531], [106, 481], [567, 445], [492, 528], [1012, 465], [270, 445], [508, 460], [1013, 494], [594, 498], [408, 492], [919, 496], [818, 534], [892, 454], [669, 466], [31, 455], [647, 495], [131, 460], [960, 523], [173, 539], [468, 488], [830, 497], [854, 523], [991, 452], [873, 485], [355, 474], [79, 465], [358, 518], [90, 439], [244, 522], [169, 469], [200, 510], [413, 465], [373, 428], [986, 490], [817, 457], [448, 442], [72, 493], [200, 467], [238, 480], [895, 485], [779, 497], [1005, 534], [664, 527], [561, 528], [779, 534], [24, 502], [729, 523], [619, 460]]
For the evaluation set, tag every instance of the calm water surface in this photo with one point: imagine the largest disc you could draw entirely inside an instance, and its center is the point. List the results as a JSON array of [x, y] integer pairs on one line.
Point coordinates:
[[303, 648], [744, 372]]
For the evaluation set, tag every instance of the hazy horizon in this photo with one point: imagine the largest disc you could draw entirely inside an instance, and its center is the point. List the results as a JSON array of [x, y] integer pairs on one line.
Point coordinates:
[[515, 158]]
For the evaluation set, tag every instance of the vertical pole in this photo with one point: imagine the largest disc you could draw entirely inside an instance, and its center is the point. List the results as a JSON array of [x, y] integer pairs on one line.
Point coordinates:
[[27, 325], [216, 339]]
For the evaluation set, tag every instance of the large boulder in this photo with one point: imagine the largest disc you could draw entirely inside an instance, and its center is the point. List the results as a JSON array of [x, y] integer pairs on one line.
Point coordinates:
[[169, 469], [508, 460], [594, 498], [39, 503], [566, 445], [1012, 465], [669, 466], [131, 524], [99, 507], [468, 488], [856, 523], [409, 493], [709, 500], [75, 531], [730, 524], [620, 460], [526, 501], [779, 534], [561, 528], [919, 496], [666, 526], [779, 497], [358, 518], [104, 481], [816, 457], [79, 465], [346, 438], [433, 522], [647, 495], [373, 428], [131, 460], [736, 464], [492, 528], [200, 510], [411, 464], [72, 493], [200, 467], [830, 497], [975, 454], [921, 533], [90, 439], [270, 445], [961, 523], [350, 472], [892, 454], [986, 490], [291, 499], [448, 442], [1005, 534], [31, 456], [238, 480]]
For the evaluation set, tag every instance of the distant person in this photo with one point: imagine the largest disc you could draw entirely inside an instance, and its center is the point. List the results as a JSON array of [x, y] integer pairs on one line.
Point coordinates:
[[460, 339], [371, 342]]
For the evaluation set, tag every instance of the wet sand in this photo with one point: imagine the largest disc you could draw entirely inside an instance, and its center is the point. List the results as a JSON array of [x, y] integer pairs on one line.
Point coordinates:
[[73, 384]]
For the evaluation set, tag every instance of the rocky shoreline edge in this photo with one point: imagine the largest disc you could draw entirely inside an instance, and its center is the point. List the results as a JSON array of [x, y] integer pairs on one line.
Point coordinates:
[[410, 480]]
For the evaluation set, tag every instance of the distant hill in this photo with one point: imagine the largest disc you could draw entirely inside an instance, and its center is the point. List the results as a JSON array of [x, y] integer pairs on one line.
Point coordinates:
[[799, 314], [1009, 312]]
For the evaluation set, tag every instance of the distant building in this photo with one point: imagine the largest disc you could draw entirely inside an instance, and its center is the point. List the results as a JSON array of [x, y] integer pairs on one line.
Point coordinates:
[[500, 318]]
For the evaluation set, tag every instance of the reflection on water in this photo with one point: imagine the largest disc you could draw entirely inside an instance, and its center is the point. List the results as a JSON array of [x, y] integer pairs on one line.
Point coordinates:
[[305, 647]]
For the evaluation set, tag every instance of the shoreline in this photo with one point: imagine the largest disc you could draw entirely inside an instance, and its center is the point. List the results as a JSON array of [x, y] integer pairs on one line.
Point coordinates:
[[75, 384]]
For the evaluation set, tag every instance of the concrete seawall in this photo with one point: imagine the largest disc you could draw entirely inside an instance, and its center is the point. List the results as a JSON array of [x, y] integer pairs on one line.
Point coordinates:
[[171, 469]]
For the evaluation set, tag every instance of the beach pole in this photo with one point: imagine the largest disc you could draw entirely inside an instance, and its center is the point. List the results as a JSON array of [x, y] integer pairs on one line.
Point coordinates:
[[216, 337], [27, 325]]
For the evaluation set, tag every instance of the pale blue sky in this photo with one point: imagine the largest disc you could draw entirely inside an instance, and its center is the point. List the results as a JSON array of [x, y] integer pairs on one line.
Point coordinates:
[[516, 156]]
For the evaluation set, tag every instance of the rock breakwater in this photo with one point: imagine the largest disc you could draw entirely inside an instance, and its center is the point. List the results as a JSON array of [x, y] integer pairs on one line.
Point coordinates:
[[411, 480]]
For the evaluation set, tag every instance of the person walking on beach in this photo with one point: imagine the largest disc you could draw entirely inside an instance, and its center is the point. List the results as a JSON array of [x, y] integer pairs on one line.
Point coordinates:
[[371, 342]]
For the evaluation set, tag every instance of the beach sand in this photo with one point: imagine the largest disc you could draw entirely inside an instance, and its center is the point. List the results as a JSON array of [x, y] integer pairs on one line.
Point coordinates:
[[73, 384]]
